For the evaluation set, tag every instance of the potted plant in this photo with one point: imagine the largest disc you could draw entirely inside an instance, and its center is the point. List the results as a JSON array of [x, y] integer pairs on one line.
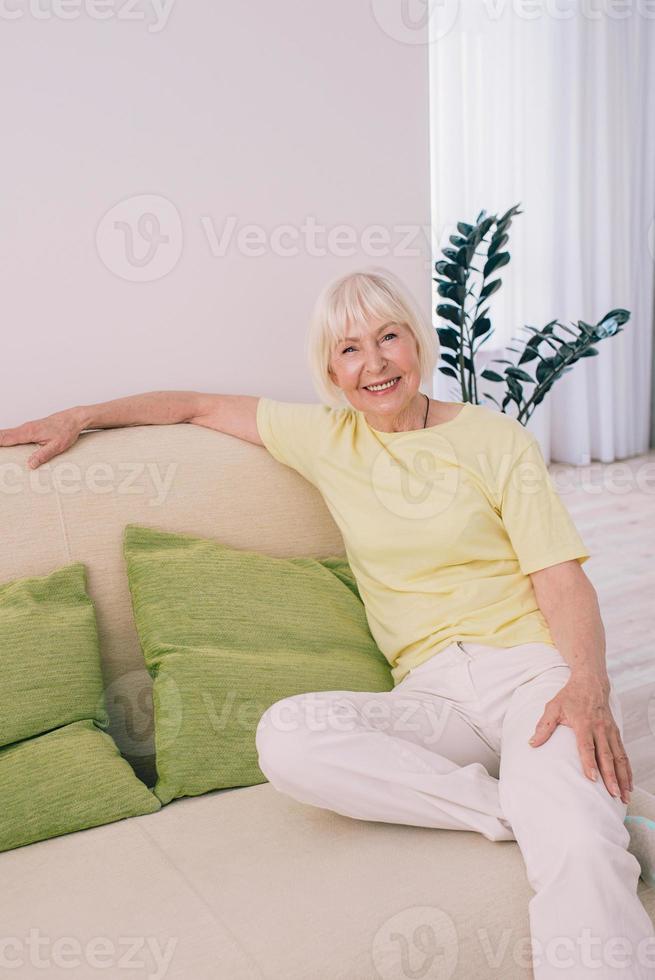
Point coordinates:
[[468, 288]]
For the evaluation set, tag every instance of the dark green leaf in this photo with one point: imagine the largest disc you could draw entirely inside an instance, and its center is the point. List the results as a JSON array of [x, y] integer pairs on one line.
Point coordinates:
[[621, 316], [528, 354], [491, 375], [452, 291], [449, 312], [496, 243], [480, 327], [590, 352], [449, 371], [495, 262], [490, 288], [449, 337], [515, 372], [452, 271]]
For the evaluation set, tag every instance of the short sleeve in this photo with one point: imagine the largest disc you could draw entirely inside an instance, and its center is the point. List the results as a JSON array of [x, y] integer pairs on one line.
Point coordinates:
[[292, 432], [539, 526]]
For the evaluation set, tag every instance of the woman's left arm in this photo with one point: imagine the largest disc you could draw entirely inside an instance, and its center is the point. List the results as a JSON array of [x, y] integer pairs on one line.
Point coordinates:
[[569, 603]]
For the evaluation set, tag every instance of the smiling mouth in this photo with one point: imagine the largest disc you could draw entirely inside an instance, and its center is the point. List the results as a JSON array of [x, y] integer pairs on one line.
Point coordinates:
[[389, 388]]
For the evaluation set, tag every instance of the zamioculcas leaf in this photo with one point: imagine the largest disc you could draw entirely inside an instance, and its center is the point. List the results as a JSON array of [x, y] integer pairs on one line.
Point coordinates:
[[449, 312], [449, 337], [481, 325], [515, 372], [496, 243], [456, 282], [451, 271], [495, 262], [490, 288]]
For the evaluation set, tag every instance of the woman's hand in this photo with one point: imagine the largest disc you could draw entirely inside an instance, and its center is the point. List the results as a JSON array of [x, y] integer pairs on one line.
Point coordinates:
[[54, 433], [584, 706]]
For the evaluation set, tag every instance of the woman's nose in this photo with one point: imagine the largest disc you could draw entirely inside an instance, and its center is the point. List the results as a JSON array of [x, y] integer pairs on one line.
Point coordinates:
[[374, 361]]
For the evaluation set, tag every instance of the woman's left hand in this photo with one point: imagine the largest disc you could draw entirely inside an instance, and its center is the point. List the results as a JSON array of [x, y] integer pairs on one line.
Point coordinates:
[[583, 705]]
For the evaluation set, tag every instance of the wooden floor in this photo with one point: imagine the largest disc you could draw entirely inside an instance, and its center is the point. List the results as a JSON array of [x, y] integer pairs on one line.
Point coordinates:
[[613, 506]]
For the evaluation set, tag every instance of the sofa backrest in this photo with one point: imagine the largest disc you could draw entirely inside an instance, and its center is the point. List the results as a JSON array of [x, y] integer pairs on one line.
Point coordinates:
[[174, 477]]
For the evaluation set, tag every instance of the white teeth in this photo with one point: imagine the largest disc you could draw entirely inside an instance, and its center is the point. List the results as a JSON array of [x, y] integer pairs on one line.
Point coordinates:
[[389, 384]]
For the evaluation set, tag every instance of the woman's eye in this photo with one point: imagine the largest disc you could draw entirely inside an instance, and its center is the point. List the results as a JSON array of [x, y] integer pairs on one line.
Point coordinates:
[[345, 351]]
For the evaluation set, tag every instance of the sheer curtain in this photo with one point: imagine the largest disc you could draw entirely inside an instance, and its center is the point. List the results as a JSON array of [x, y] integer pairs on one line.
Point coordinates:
[[556, 110]]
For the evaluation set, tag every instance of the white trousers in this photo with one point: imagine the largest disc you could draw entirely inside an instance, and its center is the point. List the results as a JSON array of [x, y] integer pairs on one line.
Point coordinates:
[[448, 748]]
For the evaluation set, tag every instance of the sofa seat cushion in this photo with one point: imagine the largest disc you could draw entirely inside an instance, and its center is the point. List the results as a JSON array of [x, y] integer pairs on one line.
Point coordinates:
[[254, 884]]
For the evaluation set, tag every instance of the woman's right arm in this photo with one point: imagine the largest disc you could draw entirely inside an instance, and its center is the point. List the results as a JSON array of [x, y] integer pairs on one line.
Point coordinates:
[[232, 414]]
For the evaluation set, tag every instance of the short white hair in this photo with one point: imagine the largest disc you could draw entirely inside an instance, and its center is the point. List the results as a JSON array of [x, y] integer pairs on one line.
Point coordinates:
[[354, 299]]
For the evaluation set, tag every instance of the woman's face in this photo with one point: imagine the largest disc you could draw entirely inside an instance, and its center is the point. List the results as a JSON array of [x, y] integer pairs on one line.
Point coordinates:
[[381, 351]]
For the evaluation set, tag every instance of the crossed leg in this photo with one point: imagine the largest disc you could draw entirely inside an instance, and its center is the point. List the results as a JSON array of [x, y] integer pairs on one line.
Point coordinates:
[[400, 756]]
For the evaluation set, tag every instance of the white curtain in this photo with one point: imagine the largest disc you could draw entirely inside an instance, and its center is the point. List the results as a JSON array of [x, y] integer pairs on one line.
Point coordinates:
[[554, 107]]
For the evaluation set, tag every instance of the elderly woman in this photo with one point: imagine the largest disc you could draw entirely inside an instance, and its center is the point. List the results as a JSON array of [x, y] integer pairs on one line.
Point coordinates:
[[502, 714]]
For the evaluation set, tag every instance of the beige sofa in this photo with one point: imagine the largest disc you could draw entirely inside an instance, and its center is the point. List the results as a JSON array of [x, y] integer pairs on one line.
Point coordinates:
[[244, 883]]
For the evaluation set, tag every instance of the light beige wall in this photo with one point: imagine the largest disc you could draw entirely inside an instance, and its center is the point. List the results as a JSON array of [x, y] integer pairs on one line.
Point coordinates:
[[188, 118]]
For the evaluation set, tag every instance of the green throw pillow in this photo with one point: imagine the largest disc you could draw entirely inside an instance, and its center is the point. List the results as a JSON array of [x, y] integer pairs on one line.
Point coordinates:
[[49, 667], [59, 771], [226, 633], [69, 779]]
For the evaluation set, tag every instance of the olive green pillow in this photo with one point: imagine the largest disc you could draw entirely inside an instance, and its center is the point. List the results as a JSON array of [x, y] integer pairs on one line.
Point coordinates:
[[59, 771], [49, 660], [225, 633]]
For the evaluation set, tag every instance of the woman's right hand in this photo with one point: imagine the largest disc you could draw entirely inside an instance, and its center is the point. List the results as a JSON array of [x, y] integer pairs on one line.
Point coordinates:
[[55, 434]]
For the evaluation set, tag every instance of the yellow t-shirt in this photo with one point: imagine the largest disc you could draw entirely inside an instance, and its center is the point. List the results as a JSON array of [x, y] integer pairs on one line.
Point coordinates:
[[441, 526]]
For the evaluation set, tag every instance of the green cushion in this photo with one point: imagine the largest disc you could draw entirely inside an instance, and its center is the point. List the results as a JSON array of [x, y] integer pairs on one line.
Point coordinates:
[[69, 779], [226, 633], [59, 771], [49, 672]]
